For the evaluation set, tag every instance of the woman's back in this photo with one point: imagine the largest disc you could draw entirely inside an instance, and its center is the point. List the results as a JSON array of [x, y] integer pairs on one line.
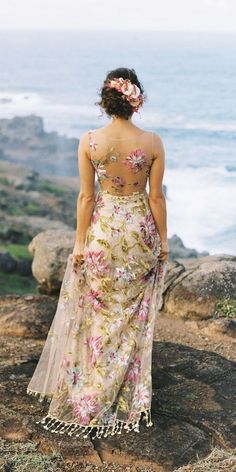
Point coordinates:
[[122, 164]]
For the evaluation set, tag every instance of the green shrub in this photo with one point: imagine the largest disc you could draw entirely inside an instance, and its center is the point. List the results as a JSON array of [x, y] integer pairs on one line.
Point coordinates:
[[18, 251], [225, 308]]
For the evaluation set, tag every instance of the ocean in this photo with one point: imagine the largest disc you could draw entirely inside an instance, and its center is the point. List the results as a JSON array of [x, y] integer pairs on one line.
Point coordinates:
[[190, 82]]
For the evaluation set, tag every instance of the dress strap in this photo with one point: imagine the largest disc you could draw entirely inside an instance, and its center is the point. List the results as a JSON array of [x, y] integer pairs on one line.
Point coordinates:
[[92, 144], [152, 144], [90, 137]]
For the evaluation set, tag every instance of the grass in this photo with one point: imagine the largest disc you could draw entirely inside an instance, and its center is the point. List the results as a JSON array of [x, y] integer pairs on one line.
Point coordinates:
[[16, 284], [26, 459], [18, 251]]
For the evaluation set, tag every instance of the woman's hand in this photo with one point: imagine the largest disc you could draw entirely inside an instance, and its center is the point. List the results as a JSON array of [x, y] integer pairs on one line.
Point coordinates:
[[78, 254], [78, 248], [164, 254]]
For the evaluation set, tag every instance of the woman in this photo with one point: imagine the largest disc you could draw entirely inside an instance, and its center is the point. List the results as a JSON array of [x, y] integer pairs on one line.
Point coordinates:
[[95, 368]]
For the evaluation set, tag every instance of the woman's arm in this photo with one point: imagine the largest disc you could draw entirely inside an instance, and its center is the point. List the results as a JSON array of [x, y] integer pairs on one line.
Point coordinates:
[[86, 197], [157, 199]]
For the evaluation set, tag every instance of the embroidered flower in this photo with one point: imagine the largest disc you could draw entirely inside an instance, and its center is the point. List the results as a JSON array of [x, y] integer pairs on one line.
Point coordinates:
[[85, 408], [118, 181], [128, 216], [148, 230], [99, 203], [134, 370], [74, 376], [123, 359], [95, 344], [122, 273], [92, 143], [95, 297], [142, 313], [100, 169], [116, 208], [135, 161], [147, 332], [141, 397], [96, 262], [112, 356]]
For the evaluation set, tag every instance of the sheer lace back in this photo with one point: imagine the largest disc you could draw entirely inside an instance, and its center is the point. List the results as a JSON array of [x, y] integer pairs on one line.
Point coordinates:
[[122, 165]]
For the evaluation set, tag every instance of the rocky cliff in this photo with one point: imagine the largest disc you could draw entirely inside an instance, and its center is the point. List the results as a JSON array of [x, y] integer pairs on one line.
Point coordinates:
[[23, 140]]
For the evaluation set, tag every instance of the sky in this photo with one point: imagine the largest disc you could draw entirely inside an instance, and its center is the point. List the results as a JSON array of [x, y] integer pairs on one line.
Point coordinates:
[[159, 15]]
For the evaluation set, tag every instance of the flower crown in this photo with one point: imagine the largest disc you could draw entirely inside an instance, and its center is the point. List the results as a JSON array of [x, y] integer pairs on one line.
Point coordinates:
[[130, 92]]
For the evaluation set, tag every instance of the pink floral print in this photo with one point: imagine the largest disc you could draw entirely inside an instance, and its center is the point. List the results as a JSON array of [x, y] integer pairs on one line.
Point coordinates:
[[96, 347], [135, 161], [148, 230], [75, 376], [118, 181], [96, 262], [86, 408], [141, 396], [96, 299], [108, 161], [144, 309], [96, 210], [98, 353], [134, 370]]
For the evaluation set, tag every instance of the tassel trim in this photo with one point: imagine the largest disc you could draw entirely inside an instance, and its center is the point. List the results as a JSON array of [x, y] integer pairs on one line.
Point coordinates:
[[41, 398], [74, 429]]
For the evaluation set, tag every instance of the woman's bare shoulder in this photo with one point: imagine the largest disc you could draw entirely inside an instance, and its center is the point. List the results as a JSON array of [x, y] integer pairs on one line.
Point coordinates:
[[158, 146]]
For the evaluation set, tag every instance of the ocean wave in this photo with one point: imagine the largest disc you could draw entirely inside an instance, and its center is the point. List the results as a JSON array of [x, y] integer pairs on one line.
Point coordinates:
[[179, 122], [80, 115], [17, 99]]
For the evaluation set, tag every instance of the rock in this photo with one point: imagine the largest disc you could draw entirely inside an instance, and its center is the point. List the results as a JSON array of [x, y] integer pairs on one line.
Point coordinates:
[[27, 316], [191, 291], [220, 326], [7, 262], [175, 269], [23, 140], [196, 291], [179, 251], [50, 250], [30, 203], [192, 409], [18, 229]]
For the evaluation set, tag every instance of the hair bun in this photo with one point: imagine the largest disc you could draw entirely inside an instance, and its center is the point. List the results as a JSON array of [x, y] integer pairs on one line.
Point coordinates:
[[112, 101]]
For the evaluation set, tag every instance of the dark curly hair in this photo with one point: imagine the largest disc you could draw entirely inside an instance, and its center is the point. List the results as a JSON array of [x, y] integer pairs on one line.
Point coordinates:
[[112, 101]]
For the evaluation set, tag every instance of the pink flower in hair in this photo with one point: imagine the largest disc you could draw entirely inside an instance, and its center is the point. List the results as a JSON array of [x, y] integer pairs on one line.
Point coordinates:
[[131, 92]]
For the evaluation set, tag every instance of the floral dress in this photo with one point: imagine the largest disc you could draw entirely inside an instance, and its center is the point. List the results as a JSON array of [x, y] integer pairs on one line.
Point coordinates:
[[95, 367]]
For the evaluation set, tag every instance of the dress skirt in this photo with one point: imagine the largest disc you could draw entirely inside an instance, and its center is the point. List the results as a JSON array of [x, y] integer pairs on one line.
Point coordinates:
[[95, 367]]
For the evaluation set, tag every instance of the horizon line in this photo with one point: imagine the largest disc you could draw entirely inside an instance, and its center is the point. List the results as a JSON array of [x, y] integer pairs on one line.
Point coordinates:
[[130, 30]]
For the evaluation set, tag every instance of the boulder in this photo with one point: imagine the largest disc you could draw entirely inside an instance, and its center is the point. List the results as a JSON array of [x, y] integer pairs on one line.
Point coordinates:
[[195, 289], [50, 250], [198, 289]]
